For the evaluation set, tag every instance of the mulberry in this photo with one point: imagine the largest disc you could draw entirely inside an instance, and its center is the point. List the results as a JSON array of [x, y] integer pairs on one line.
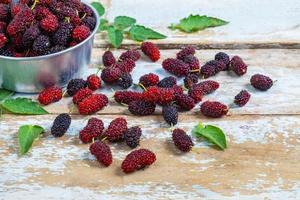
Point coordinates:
[[131, 54], [93, 82], [93, 129], [108, 59], [185, 102], [151, 50], [92, 104], [170, 114], [81, 94], [238, 66], [181, 140], [50, 95], [167, 82], [141, 108], [80, 33], [208, 86], [125, 81], [149, 80], [127, 96], [138, 159], [213, 109], [60, 125], [116, 129], [185, 52], [111, 75], [261, 82], [102, 152], [242, 98], [132, 136], [176, 67], [75, 85]]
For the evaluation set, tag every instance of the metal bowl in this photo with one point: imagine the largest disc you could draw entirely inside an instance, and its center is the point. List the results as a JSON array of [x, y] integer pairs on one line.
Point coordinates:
[[32, 74]]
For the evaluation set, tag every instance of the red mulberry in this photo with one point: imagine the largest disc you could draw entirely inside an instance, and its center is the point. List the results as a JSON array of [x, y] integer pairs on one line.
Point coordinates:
[[108, 59], [94, 82], [213, 109], [81, 94], [185, 102], [238, 66], [138, 159], [261, 82], [92, 104], [186, 52], [93, 129], [102, 152], [176, 67], [208, 86], [149, 80], [111, 75], [127, 96], [131, 54], [151, 50], [242, 98], [50, 95], [80, 33], [116, 129]]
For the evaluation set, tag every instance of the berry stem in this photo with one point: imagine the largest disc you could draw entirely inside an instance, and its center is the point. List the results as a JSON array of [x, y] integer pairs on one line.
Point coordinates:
[[124, 104], [195, 70], [83, 16], [142, 86], [34, 4], [64, 93]]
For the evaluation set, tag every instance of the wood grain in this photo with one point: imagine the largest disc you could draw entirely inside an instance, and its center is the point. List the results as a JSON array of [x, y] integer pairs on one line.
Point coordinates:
[[253, 23], [261, 161], [280, 65]]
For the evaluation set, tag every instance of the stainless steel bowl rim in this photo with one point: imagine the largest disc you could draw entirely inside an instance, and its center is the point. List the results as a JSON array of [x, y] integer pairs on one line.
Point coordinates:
[[64, 51]]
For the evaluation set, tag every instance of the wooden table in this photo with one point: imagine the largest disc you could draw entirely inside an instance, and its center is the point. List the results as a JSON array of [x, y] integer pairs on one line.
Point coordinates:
[[262, 160]]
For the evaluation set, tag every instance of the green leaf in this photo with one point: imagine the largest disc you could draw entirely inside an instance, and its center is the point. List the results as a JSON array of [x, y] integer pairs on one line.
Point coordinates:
[[212, 133], [141, 33], [27, 134], [99, 7], [123, 22], [115, 36], [103, 25], [195, 23], [23, 106], [5, 94]]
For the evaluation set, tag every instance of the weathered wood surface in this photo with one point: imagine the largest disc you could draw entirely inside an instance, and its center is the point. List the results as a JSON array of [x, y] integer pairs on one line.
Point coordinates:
[[281, 65], [261, 162], [253, 23], [264, 143]]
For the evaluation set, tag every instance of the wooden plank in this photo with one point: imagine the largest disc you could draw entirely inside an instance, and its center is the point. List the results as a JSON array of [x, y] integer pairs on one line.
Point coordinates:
[[283, 98], [253, 23], [261, 162]]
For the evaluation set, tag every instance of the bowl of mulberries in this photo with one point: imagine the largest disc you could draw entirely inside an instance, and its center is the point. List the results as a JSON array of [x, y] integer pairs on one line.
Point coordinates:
[[44, 42]]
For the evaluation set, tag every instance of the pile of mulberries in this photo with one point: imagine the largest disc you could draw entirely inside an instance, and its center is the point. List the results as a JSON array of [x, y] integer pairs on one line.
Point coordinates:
[[36, 28]]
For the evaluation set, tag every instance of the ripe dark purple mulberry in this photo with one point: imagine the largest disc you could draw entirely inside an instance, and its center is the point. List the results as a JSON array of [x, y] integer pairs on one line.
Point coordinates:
[[190, 80], [193, 62], [41, 44], [242, 98], [221, 56], [167, 82], [132, 136], [125, 81], [141, 108], [261, 82], [89, 22], [75, 85], [63, 35], [181, 140], [30, 35], [170, 114], [60, 125]]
